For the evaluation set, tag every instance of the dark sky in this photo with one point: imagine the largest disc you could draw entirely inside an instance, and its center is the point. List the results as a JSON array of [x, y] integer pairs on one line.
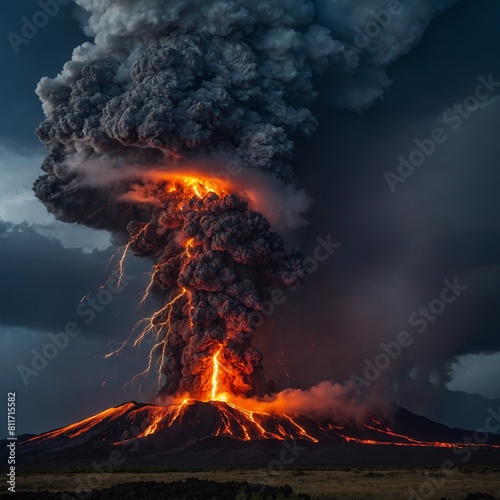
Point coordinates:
[[397, 248]]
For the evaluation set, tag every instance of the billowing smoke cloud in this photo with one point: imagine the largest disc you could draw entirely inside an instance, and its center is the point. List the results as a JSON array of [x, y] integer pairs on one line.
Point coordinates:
[[373, 34], [324, 400], [386, 43], [217, 256], [165, 84], [171, 83], [166, 79]]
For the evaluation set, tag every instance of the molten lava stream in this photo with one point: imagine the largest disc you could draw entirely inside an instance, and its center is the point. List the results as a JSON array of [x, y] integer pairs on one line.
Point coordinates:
[[165, 417], [80, 428], [235, 421]]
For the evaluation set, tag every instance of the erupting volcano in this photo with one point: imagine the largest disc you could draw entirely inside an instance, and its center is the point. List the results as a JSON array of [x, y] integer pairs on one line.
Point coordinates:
[[214, 261], [192, 432], [136, 124]]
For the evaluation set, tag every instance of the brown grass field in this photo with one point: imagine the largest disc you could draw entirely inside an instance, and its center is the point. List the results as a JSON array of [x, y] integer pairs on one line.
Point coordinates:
[[341, 483]]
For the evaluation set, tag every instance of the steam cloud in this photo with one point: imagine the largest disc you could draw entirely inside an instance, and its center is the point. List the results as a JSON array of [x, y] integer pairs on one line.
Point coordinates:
[[169, 83]]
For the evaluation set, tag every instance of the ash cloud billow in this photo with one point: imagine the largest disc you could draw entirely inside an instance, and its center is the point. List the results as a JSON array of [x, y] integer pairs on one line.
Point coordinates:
[[168, 84], [214, 258]]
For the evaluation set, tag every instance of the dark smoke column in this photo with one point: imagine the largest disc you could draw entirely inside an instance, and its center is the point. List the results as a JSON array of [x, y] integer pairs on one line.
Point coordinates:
[[166, 83], [215, 260]]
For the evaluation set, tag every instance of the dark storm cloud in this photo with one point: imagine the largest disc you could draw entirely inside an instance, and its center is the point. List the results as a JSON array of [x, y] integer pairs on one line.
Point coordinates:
[[375, 33], [41, 290], [76, 384], [444, 67], [397, 248], [454, 408]]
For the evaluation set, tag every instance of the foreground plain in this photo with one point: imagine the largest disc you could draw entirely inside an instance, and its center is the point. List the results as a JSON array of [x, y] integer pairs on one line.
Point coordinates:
[[321, 484]]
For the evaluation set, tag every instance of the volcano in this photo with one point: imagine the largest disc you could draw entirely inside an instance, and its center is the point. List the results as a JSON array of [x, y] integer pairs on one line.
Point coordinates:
[[221, 433]]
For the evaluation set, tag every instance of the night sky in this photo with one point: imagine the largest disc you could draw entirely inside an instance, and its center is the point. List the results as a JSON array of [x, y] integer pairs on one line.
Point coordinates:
[[397, 246]]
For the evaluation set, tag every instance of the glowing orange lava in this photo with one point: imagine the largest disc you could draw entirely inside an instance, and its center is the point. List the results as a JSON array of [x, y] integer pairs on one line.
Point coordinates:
[[80, 428], [225, 419], [215, 376], [197, 184]]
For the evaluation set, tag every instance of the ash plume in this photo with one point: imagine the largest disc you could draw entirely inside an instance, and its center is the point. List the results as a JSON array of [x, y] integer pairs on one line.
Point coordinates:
[[167, 84], [215, 258]]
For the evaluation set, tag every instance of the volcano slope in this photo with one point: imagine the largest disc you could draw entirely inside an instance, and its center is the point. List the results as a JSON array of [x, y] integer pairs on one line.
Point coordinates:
[[217, 433]]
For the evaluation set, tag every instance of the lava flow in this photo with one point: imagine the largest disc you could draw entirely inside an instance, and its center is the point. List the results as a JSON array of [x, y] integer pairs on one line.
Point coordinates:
[[233, 421], [176, 425]]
